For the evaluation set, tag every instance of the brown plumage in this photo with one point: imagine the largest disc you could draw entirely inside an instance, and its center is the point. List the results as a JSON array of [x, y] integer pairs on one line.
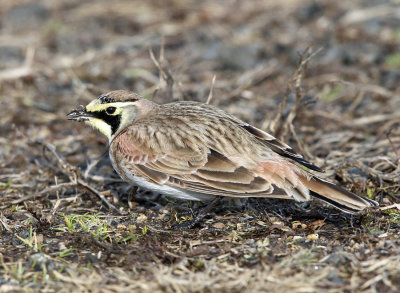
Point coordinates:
[[197, 151]]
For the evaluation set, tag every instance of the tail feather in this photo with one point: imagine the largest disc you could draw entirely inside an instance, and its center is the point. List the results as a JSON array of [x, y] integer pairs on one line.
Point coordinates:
[[337, 196]]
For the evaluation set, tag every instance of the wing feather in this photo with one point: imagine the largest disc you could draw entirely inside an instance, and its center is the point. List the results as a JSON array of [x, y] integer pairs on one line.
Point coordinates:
[[240, 175], [205, 172], [155, 176], [216, 161], [279, 147]]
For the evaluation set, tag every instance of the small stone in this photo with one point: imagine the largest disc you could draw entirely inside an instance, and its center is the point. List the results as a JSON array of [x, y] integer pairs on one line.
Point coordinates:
[[39, 262], [337, 259], [219, 225], [164, 211], [334, 277], [296, 225], [297, 238], [132, 204], [313, 237], [261, 223], [39, 238], [141, 218], [62, 246], [277, 223], [91, 258]]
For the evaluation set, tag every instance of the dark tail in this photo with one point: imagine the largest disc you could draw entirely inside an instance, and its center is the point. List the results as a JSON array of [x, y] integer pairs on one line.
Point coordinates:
[[337, 196]]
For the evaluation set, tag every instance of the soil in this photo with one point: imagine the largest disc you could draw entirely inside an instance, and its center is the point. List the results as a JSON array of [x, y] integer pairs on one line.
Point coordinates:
[[323, 76]]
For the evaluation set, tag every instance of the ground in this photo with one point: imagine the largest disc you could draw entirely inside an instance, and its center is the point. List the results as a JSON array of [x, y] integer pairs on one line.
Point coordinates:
[[323, 76]]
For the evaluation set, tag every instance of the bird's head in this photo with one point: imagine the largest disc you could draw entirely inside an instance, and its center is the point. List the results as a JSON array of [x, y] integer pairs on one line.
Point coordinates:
[[112, 112]]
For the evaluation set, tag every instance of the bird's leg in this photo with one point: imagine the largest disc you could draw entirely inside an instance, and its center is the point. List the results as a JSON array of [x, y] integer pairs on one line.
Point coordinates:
[[200, 215]]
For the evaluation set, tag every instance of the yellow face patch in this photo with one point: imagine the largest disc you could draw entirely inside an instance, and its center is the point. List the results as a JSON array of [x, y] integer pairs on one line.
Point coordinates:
[[95, 106], [101, 126]]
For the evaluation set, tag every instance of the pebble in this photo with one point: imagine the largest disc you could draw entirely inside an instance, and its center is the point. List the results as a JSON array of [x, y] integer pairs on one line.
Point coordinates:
[[141, 218], [39, 261], [313, 237], [219, 225]]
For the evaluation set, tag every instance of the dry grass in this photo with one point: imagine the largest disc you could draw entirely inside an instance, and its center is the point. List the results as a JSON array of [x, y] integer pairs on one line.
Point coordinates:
[[68, 223]]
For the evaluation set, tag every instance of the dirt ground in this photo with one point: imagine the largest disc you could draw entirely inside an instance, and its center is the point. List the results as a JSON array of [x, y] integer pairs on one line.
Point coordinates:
[[68, 223]]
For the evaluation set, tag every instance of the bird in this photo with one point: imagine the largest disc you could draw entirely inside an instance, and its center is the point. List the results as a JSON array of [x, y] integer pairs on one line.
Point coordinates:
[[196, 151]]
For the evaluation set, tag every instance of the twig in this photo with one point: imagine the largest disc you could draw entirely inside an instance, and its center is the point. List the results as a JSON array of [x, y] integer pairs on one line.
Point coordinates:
[[210, 95], [99, 178], [161, 58], [396, 206], [252, 78], [394, 147], [99, 195], [44, 192], [165, 74], [83, 89], [90, 166], [360, 96], [72, 173], [21, 71], [108, 248], [272, 127], [302, 147], [66, 168], [293, 86], [53, 211], [152, 229], [5, 225], [296, 83], [392, 176]]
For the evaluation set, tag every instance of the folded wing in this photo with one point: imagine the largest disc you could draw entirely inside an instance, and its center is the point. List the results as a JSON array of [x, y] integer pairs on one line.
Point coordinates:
[[207, 172]]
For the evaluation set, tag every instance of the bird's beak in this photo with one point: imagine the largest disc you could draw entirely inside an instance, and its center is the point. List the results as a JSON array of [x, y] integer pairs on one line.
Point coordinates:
[[80, 115]]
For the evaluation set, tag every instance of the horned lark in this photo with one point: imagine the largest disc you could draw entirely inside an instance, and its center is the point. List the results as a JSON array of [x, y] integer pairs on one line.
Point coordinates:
[[196, 151]]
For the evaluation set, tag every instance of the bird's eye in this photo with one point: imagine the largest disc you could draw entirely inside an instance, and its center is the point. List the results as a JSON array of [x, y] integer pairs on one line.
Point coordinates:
[[110, 110]]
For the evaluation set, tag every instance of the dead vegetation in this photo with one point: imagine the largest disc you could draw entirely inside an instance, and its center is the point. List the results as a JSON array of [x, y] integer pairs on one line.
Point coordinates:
[[68, 223]]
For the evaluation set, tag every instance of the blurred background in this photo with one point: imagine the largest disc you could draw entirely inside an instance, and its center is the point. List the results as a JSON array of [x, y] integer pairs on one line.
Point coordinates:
[[56, 55]]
